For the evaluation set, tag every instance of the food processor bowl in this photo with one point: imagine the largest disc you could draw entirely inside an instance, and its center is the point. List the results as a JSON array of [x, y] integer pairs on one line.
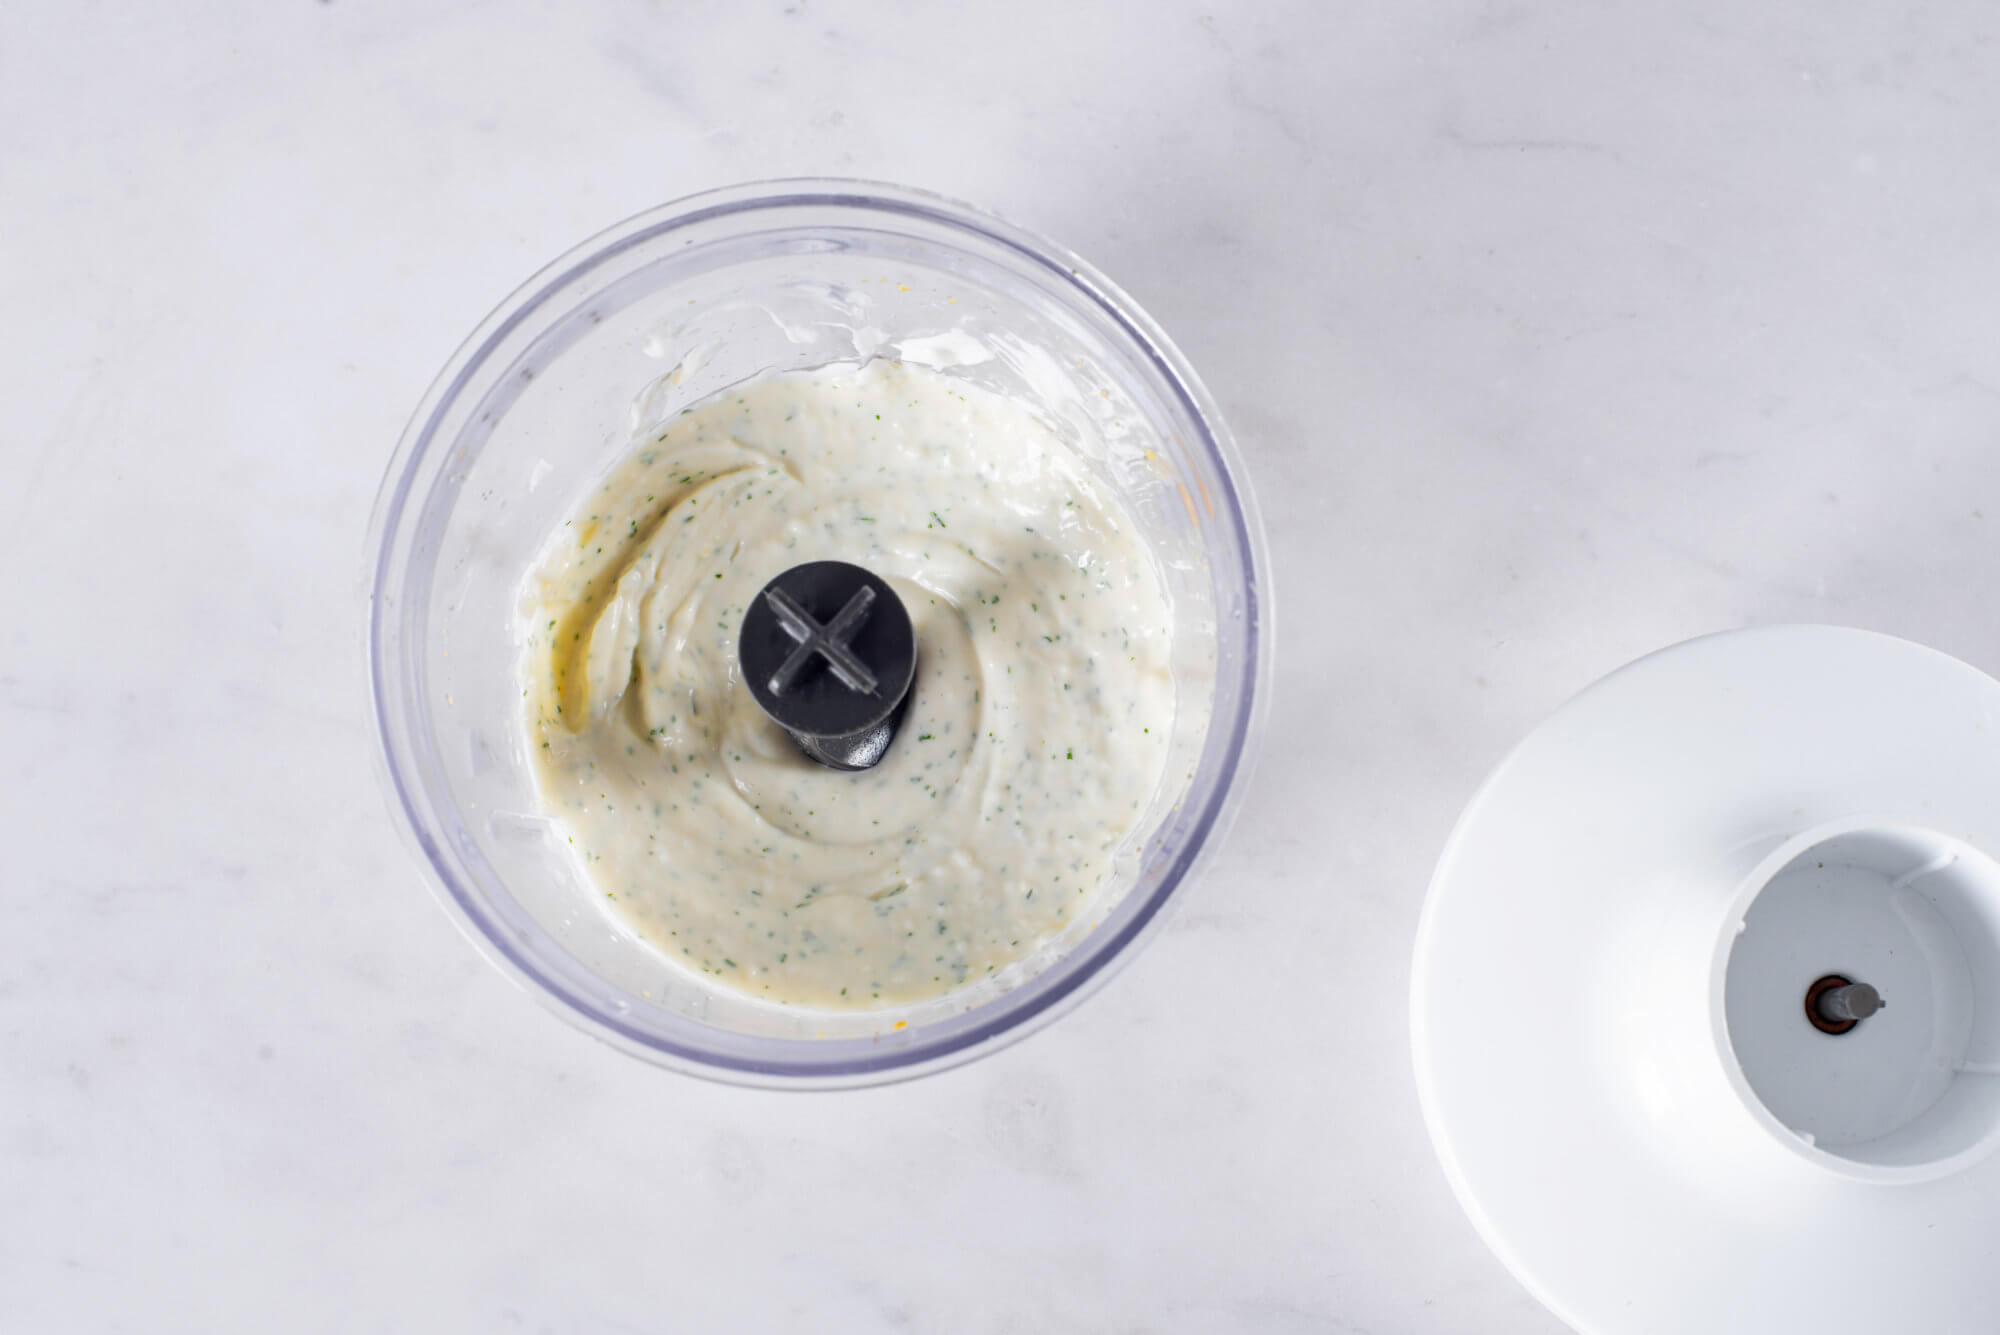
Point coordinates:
[[657, 314]]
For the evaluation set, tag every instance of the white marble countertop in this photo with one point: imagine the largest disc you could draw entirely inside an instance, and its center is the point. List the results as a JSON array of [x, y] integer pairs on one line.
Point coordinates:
[[1552, 333]]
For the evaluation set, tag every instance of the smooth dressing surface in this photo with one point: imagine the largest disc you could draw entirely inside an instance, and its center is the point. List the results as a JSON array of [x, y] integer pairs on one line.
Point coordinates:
[[1038, 721]]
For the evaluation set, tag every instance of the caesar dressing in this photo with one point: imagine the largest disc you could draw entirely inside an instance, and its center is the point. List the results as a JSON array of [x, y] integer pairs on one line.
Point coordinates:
[[1037, 727]]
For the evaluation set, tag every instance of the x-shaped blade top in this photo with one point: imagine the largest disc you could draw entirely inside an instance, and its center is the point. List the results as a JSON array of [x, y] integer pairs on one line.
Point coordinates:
[[828, 641]]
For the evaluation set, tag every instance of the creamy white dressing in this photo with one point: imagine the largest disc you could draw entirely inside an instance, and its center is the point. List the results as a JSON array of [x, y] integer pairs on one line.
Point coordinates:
[[1038, 722]]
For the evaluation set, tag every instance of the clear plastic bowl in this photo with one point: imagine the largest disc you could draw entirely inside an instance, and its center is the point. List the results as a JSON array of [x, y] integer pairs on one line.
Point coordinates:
[[666, 309]]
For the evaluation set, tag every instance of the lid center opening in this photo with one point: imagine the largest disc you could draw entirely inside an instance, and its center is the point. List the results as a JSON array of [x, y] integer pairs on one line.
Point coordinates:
[[1862, 997]]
